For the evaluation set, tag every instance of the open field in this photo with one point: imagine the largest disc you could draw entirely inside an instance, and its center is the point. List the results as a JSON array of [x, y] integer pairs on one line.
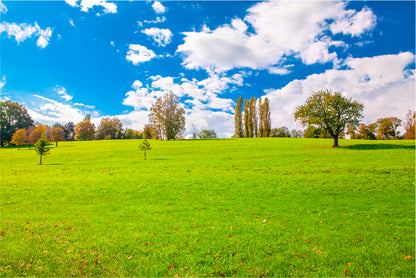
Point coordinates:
[[234, 207]]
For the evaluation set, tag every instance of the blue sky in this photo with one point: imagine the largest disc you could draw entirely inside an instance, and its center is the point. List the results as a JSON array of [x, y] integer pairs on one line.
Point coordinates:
[[64, 59]]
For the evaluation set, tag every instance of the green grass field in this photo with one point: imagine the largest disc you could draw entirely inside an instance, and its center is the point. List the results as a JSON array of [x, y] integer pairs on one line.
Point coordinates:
[[233, 207]]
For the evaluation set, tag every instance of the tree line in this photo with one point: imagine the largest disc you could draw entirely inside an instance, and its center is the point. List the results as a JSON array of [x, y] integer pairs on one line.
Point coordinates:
[[166, 121], [325, 115]]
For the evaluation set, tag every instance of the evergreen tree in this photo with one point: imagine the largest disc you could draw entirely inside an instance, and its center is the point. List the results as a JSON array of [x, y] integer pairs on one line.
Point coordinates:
[[145, 146], [41, 148], [238, 118]]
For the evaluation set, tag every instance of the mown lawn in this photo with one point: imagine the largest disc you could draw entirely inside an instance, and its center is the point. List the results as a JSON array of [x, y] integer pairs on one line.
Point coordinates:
[[233, 207]]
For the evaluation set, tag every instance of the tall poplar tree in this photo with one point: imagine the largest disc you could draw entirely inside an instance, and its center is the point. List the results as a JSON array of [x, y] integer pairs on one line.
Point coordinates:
[[246, 119], [253, 115], [267, 122], [238, 118], [261, 118]]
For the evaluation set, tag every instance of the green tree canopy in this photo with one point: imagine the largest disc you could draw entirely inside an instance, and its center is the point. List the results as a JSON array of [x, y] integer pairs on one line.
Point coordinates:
[[331, 111], [207, 134], [13, 116]]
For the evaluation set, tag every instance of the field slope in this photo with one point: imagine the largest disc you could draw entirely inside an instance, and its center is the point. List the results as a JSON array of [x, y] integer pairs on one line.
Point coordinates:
[[235, 207]]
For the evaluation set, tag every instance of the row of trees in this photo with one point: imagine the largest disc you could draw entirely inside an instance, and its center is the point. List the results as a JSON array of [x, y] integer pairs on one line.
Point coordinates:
[[253, 119]]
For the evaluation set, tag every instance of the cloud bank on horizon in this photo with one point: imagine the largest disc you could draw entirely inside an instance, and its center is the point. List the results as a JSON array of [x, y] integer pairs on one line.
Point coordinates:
[[283, 50]]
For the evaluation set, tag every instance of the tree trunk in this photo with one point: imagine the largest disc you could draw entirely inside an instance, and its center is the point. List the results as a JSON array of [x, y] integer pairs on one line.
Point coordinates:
[[335, 142], [56, 145], [144, 154], [40, 162]]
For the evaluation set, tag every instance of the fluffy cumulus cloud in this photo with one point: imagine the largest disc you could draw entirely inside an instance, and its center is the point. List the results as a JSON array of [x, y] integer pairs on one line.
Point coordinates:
[[281, 29], [203, 104], [158, 7], [384, 84], [48, 111], [161, 36], [24, 31], [86, 5], [138, 54]]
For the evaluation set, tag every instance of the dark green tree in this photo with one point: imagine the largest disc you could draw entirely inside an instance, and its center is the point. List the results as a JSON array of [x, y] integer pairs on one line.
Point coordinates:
[[41, 148], [331, 111], [13, 116], [207, 134], [145, 146], [238, 119]]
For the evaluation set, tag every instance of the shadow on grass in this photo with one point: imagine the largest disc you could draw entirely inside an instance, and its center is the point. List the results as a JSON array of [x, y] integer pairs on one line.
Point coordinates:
[[378, 147]]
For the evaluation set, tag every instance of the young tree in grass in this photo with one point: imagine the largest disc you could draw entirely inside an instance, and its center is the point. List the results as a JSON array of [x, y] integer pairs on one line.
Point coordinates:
[[238, 118], [41, 148], [19, 137], [56, 134], [145, 146], [331, 111]]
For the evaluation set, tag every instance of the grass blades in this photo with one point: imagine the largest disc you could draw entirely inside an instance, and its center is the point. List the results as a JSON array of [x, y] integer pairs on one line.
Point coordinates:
[[233, 207]]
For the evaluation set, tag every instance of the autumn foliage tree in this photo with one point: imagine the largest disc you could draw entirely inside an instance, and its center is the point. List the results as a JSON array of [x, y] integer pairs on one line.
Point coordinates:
[[37, 133], [56, 134], [167, 116], [84, 130], [331, 111], [19, 137], [387, 128], [108, 128]]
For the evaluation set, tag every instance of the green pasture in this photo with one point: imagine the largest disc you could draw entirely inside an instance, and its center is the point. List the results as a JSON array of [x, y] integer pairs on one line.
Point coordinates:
[[232, 207]]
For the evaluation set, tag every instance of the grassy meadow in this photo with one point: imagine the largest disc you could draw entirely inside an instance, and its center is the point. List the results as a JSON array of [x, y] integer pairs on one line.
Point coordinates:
[[232, 207]]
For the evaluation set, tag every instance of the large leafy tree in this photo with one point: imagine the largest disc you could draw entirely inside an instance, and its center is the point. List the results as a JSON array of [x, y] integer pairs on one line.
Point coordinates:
[[56, 134], [238, 119], [37, 133], [387, 128], [84, 130], [13, 116], [331, 111], [167, 116], [108, 128]]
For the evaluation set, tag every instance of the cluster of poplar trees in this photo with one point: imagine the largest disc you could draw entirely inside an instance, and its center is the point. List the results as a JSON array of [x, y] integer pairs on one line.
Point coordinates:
[[252, 119]]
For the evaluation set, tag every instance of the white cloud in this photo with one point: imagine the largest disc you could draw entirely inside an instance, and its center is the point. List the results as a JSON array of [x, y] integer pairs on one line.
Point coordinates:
[[84, 105], [72, 3], [381, 83], [2, 82], [138, 54], [62, 92], [71, 21], [49, 111], [86, 5], [24, 31], [221, 122], [161, 36], [3, 8], [157, 20], [354, 24], [158, 7], [281, 29]]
